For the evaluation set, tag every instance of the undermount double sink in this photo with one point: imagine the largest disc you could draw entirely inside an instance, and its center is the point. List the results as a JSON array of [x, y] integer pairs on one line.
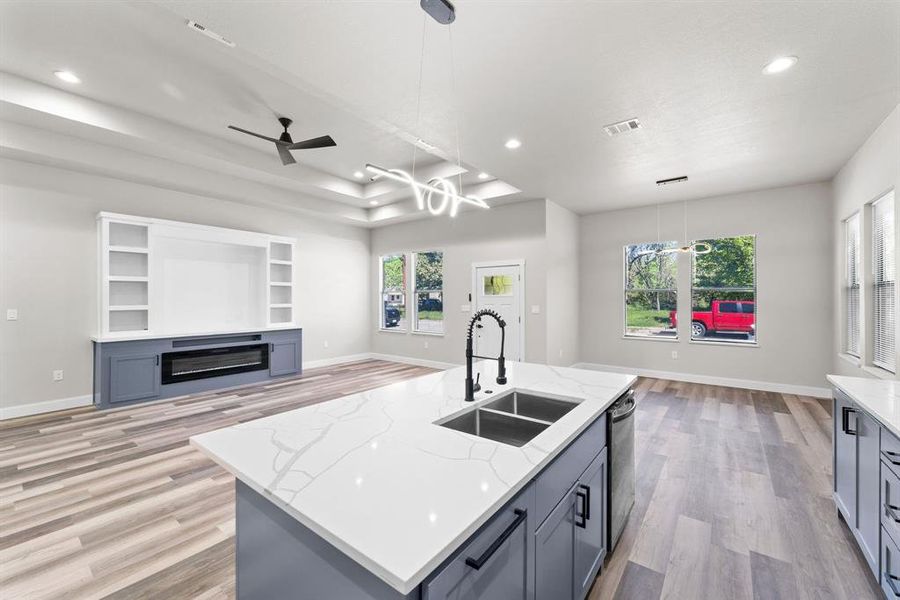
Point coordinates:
[[514, 418]]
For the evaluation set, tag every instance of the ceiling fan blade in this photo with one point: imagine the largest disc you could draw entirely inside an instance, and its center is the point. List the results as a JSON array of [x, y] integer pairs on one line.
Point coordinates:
[[268, 139], [320, 142], [284, 153]]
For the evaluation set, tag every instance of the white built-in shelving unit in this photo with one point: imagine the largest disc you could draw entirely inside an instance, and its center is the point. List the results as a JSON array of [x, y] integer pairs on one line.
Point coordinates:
[[161, 278]]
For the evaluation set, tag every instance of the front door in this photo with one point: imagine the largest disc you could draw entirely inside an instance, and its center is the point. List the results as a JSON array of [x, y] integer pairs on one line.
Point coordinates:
[[499, 288]]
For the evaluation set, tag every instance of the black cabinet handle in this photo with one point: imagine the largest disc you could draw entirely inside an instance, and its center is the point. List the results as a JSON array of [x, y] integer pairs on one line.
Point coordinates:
[[891, 457], [583, 496], [845, 420], [477, 563], [891, 579], [157, 360], [587, 500], [891, 511]]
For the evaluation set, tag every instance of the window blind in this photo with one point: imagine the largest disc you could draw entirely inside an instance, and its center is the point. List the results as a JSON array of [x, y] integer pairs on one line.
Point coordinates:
[[851, 290], [883, 282]]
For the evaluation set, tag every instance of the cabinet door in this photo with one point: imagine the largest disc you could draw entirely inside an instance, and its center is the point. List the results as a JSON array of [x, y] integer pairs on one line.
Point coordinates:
[[844, 416], [494, 565], [890, 567], [133, 377], [554, 552], [284, 358], [868, 487], [590, 524]]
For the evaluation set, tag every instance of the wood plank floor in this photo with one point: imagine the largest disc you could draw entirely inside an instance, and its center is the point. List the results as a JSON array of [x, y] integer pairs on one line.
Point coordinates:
[[733, 496]]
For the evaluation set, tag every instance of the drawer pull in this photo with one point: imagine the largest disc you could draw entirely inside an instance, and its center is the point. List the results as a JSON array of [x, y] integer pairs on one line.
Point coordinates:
[[584, 495], [891, 511], [892, 457], [477, 563], [890, 580], [845, 420]]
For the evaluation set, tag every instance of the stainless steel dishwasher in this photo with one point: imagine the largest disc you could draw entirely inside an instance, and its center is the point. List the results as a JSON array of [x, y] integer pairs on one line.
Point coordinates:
[[620, 436]]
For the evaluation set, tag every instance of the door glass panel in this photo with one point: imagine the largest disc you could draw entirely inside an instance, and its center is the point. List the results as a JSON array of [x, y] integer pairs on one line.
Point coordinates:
[[497, 285]]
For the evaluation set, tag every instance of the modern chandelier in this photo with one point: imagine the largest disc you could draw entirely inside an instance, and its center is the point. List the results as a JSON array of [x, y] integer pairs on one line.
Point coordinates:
[[695, 248], [438, 194]]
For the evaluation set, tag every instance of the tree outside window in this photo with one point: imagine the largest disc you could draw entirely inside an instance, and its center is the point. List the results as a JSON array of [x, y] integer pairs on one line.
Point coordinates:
[[393, 292], [650, 290], [429, 292], [723, 291]]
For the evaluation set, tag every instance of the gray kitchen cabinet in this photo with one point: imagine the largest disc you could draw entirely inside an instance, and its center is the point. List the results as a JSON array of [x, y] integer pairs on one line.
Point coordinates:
[[868, 497], [890, 567], [844, 416], [591, 524], [284, 357], [494, 564], [554, 552], [134, 377]]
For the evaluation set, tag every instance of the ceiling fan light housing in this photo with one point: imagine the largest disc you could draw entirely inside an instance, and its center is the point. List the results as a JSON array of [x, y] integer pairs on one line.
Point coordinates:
[[441, 11]]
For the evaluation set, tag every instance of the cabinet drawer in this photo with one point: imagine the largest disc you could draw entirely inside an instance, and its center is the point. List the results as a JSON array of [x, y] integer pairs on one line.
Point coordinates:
[[494, 562], [553, 483], [890, 501], [890, 450], [890, 567]]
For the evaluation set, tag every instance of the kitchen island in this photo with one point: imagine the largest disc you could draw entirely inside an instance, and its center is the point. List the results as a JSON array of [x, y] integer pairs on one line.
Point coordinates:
[[369, 496]]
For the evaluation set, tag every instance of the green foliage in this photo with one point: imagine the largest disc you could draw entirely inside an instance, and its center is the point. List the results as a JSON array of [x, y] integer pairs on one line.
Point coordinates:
[[429, 270], [731, 263], [646, 318], [431, 315], [645, 269], [393, 268]]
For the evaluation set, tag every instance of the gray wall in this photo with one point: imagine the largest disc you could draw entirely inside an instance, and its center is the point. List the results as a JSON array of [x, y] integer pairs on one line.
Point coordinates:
[[48, 270], [873, 170], [794, 283], [515, 231], [563, 330]]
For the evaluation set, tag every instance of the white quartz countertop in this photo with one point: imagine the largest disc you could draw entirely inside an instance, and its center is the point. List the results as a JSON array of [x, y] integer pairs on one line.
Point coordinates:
[[373, 475], [878, 397]]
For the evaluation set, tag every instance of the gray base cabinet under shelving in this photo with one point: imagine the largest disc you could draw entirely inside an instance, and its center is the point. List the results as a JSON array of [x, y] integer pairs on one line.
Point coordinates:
[[132, 371], [547, 543]]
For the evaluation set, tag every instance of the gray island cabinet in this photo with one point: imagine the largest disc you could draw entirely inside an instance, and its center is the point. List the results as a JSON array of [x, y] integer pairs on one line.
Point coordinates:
[[866, 462], [410, 492]]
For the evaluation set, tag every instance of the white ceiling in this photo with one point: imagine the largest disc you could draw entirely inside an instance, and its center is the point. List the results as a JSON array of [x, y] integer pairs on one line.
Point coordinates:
[[549, 73]]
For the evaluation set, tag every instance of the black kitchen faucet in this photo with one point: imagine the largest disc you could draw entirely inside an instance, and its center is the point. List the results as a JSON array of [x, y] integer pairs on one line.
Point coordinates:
[[473, 386]]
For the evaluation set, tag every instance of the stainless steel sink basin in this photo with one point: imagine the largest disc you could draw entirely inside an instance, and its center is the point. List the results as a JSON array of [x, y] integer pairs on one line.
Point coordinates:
[[496, 426], [531, 406], [515, 418]]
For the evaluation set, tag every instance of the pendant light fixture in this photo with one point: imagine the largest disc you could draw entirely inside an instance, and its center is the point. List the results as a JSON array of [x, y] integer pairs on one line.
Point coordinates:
[[437, 195], [697, 248]]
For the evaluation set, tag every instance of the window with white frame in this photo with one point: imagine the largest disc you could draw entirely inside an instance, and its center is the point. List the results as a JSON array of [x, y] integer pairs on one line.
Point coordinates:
[[429, 292], [723, 290], [883, 332], [393, 292], [851, 287], [650, 294]]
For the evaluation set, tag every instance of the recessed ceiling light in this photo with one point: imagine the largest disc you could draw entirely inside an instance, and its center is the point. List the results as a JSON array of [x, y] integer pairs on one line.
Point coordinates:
[[780, 64], [373, 202], [358, 174], [513, 143], [483, 176], [67, 76]]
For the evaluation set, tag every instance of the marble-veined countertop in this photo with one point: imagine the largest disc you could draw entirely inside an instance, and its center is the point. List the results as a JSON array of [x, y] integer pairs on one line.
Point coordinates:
[[878, 397], [374, 476]]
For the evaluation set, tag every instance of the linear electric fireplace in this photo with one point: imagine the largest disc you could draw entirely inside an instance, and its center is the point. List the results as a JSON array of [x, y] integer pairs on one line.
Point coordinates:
[[213, 362]]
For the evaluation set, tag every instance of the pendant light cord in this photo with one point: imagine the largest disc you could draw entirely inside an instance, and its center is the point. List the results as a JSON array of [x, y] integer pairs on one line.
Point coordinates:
[[419, 98], [453, 107]]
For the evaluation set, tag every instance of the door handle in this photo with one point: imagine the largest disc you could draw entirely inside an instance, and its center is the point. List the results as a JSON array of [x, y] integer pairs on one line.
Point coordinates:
[[587, 500], [845, 420], [583, 497], [477, 563]]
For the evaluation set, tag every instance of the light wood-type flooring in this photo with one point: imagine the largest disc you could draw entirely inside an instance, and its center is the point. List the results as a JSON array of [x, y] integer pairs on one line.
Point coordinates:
[[733, 496]]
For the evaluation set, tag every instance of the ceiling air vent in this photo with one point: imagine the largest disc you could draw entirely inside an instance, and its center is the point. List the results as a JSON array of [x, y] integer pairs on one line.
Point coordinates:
[[210, 34], [622, 127], [681, 179]]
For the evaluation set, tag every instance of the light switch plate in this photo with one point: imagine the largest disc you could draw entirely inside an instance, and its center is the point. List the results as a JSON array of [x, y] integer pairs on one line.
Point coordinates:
[[58, 375], [535, 309], [12, 314], [465, 307]]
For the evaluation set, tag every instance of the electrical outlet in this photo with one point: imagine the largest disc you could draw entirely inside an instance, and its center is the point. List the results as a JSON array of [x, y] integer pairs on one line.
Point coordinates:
[[535, 309], [674, 354], [12, 314], [325, 343], [58, 375]]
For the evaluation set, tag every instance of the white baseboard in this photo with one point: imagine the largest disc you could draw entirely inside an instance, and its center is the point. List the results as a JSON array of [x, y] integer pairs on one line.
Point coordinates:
[[335, 360], [37, 408], [765, 386], [421, 362]]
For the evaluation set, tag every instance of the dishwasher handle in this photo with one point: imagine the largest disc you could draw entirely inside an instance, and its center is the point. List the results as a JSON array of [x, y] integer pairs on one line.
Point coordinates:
[[629, 400]]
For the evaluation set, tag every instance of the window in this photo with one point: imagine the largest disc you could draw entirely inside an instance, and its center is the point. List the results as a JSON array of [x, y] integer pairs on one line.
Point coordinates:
[[723, 291], [650, 296], [429, 291], [883, 282], [393, 292], [851, 286]]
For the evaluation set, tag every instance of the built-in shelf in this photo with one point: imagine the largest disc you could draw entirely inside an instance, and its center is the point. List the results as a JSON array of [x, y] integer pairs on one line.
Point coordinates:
[[281, 284], [281, 306], [281, 262], [129, 249], [128, 278], [118, 307]]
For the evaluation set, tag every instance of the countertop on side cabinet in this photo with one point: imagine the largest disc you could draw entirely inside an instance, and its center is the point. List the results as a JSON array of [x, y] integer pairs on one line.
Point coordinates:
[[878, 397], [374, 476]]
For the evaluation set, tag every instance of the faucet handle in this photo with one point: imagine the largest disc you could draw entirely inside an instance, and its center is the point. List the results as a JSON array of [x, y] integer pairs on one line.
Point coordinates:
[[477, 385]]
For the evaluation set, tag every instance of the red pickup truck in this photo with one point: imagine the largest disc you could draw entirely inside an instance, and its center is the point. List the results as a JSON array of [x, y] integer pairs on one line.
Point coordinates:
[[724, 315]]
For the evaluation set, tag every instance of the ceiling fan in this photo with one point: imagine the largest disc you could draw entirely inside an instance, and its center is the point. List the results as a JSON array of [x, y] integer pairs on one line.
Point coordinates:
[[284, 144]]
